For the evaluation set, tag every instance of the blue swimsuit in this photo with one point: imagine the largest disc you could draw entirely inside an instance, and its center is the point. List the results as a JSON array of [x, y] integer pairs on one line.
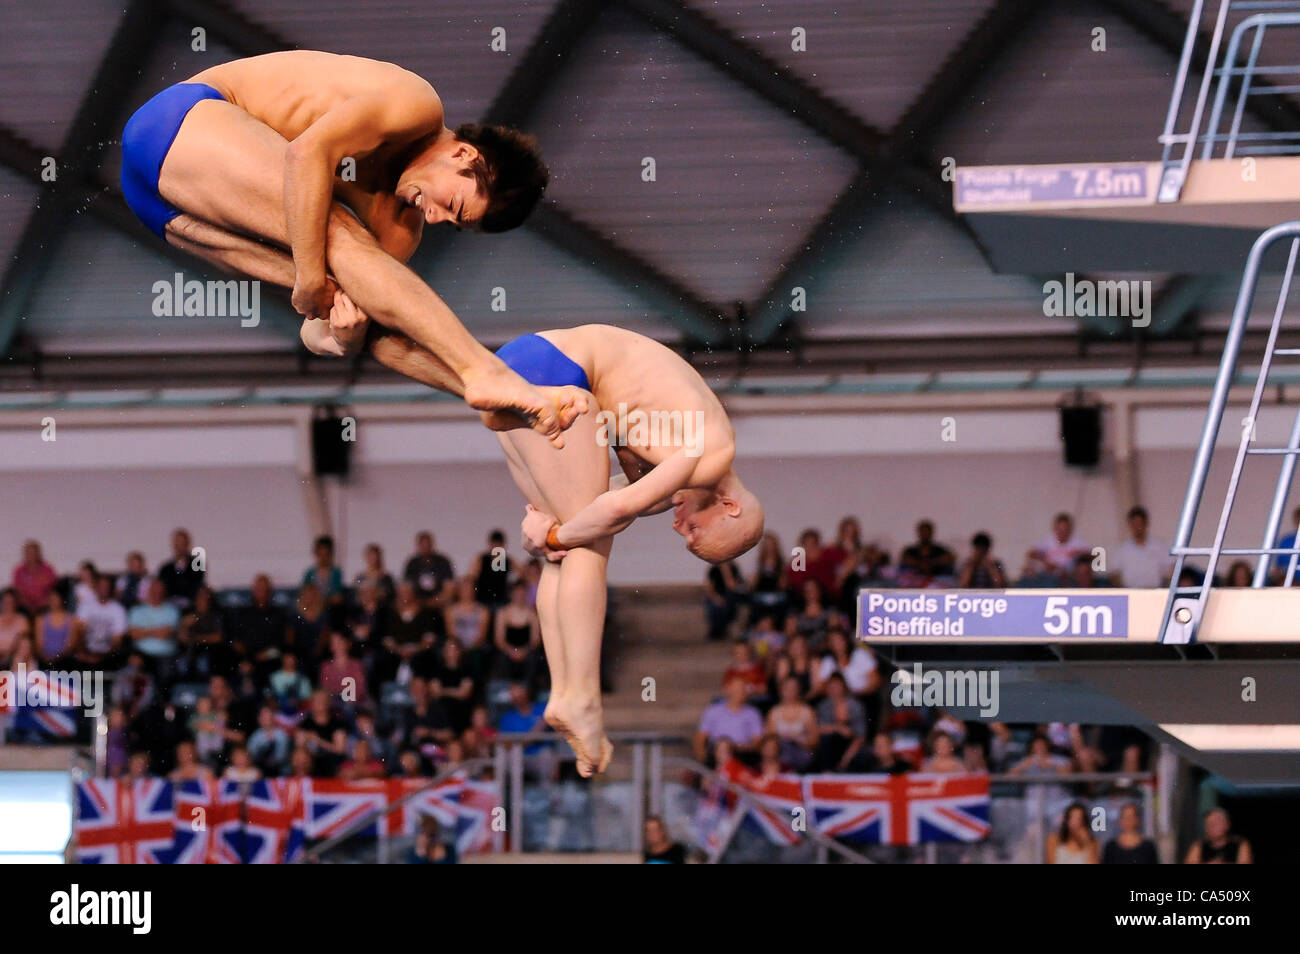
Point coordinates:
[[148, 136], [539, 362]]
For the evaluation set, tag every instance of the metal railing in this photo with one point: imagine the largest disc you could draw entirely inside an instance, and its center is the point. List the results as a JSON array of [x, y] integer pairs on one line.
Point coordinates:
[[1186, 605], [1248, 78]]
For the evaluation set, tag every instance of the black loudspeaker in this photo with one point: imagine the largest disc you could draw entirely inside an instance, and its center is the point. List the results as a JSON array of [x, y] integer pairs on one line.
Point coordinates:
[[1081, 432], [332, 437]]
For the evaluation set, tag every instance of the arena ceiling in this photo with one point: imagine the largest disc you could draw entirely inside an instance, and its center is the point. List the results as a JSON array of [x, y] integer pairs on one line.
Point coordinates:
[[775, 168]]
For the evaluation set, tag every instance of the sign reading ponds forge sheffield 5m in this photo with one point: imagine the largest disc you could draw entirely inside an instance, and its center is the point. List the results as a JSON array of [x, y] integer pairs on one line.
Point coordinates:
[[903, 615]]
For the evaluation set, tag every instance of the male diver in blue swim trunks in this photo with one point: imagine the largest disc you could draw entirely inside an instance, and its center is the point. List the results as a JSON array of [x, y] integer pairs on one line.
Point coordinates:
[[675, 447], [318, 172]]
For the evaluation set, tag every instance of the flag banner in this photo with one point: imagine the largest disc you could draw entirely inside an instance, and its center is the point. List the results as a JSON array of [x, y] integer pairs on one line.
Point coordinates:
[[41, 706], [907, 809], [269, 821]]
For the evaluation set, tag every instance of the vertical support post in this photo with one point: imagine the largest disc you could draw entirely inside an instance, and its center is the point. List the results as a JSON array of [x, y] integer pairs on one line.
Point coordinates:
[[638, 797], [657, 778], [1166, 776], [517, 797], [1280, 493], [499, 772], [101, 745]]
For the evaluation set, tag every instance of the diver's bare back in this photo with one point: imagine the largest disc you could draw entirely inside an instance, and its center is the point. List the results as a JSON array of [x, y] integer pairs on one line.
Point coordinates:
[[629, 370], [291, 90]]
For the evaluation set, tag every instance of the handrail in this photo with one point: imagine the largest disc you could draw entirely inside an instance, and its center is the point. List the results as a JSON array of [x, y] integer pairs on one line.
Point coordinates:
[[368, 819], [812, 834]]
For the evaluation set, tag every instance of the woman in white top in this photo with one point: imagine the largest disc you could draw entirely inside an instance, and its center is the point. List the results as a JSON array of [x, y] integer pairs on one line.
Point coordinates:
[[1073, 844], [856, 665]]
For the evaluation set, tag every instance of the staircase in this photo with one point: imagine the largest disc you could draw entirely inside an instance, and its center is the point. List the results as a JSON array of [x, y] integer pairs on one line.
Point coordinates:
[[658, 632]]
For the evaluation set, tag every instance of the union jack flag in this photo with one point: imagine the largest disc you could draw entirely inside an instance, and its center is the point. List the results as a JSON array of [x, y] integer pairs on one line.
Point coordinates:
[[461, 805], [56, 718], [125, 822], [900, 809], [779, 798], [330, 805], [195, 800], [260, 822]]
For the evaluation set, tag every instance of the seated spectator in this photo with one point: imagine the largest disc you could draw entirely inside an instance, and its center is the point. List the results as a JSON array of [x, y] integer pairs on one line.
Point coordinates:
[[733, 719], [1219, 846], [1130, 846], [1055, 554], [368, 622], [376, 575], [524, 715], [814, 619], [746, 668], [857, 665], [430, 573], [925, 560], [1141, 561], [467, 619], [974, 757], [490, 581], [133, 687], [810, 562], [288, 686], [104, 627], [132, 587], [518, 638], [802, 664], [453, 686], [362, 764], [241, 768], [1073, 843], [765, 638], [239, 711], [301, 764], [33, 579], [943, 755], [201, 639], [410, 765], [842, 728], [323, 735], [115, 748], [324, 574], [258, 631], [981, 570], [83, 591], [480, 735], [793, 722], [724, 591], [152, 627], [844, 551], [208, 728], [410, 638], [425, 724], [1239, 574], [182, 574], [137, 767], [1005, 750], [342, 676], [659, 848], [429, 848], [770, 765], [365, 729], [883, 758], [1081, 575], [269, 745], [1041, 760], [14, 625], [867, 567], [307, 629], [767, 587]]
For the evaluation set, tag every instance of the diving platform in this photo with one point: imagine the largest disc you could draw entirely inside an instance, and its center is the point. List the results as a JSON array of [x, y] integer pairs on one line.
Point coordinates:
[[1108, 216]]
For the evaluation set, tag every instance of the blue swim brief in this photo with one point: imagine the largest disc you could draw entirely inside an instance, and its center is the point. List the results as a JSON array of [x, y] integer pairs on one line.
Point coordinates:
[[148, 136], [539, 362]]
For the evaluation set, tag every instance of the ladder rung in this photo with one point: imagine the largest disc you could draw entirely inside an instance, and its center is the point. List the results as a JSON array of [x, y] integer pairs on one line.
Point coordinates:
[[1290, 351], [1288, 451], [1235, 551]]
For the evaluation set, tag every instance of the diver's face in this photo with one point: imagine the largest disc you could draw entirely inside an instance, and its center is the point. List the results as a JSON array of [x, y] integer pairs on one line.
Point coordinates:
[[442, 187], [695, 513]]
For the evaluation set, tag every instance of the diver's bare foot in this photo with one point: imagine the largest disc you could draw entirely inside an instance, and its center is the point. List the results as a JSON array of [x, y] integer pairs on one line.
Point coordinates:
[[582, 725], [493, 392], [569, 403]]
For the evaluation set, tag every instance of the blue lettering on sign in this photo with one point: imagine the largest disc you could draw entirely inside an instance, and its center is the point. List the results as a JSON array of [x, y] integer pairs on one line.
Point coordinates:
[[927, 614]]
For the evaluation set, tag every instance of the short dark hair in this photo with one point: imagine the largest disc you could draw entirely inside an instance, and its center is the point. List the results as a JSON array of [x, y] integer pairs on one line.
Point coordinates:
[[1138, 511], [982, 541], [510, 172]]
